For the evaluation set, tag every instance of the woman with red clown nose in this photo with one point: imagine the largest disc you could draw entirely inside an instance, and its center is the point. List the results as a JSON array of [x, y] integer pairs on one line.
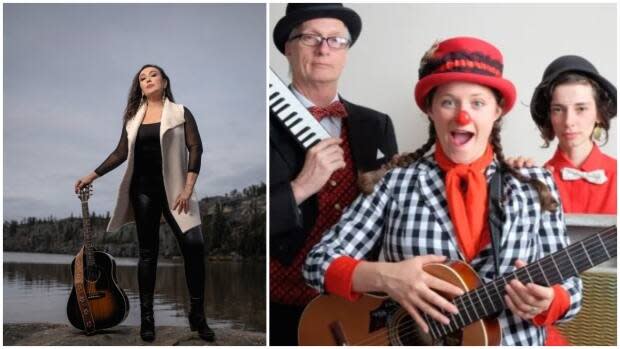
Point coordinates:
[[432, 208]]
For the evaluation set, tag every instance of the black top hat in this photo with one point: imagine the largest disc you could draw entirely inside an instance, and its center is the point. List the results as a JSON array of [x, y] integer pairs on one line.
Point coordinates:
[[298, 13], [539, 106]]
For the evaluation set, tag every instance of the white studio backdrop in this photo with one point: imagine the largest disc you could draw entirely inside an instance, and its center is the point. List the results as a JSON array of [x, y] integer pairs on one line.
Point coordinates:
[[381, 71]]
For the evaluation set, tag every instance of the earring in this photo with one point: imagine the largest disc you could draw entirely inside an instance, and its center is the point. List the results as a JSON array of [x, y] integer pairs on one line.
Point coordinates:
[[597, 133], [163, 95]]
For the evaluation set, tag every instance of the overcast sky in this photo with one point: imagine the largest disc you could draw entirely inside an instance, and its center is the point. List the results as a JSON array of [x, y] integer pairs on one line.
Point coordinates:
[[67, 72]]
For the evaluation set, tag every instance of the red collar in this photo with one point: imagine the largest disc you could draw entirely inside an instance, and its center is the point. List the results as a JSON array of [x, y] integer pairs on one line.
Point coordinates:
[[594, 161]]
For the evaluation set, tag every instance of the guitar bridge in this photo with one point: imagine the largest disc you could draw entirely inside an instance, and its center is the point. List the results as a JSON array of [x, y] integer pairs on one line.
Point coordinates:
[[380, 316], [96, 295]]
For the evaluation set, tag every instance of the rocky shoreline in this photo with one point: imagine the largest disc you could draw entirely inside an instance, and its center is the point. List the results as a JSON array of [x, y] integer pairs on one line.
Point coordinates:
[[234, 228], [59, 334]]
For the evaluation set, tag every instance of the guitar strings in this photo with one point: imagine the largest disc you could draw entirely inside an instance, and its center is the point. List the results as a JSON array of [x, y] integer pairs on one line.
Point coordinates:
[[405, 323], [580, 257], [519, 274], [546, 262], [402, 326]]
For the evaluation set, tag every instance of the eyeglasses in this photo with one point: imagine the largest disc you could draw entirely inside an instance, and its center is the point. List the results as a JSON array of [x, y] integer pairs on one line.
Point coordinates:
[[314, 40]]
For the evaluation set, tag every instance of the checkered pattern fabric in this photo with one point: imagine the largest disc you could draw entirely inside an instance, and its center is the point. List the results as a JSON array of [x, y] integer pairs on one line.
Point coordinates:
[[408, 215], [287, 286]]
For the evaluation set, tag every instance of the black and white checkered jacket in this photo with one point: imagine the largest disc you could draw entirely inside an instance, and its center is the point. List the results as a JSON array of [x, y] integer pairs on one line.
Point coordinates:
[[408, 215]]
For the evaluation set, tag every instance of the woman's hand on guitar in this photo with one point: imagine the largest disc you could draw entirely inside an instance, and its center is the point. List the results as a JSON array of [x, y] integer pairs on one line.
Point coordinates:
[[416, 290], [529, 300], [84, 181]]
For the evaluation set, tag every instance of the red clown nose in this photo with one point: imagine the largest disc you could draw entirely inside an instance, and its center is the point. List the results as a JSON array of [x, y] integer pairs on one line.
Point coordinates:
[[463, 118]]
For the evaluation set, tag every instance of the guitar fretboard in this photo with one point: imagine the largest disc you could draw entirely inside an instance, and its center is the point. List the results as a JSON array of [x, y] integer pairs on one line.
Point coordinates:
[[287, 108], [555, 268], [88, 243]]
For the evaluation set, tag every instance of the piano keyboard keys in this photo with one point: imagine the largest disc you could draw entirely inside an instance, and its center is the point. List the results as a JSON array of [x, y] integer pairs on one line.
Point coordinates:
[[302, 125]]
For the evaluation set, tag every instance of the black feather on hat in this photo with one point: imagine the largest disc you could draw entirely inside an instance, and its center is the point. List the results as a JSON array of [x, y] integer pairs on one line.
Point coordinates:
[[298, 13]]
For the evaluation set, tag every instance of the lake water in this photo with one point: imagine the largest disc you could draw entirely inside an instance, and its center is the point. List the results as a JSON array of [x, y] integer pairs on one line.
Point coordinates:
[[37, 286]]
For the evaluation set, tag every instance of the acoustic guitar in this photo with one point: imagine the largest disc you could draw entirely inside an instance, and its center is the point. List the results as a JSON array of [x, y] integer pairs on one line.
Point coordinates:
[[96, 301], [376, 320]]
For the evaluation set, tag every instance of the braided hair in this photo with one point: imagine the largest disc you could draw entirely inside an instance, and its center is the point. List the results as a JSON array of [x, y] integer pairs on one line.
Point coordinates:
[[547, 201], [367, 181]]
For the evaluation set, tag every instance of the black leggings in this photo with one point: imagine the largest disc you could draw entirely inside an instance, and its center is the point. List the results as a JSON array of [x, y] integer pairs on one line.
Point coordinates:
[[149, 203]]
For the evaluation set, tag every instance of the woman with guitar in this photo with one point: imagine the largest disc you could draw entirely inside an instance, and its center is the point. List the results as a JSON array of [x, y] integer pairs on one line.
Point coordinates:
[[161, 143], [430, 209]]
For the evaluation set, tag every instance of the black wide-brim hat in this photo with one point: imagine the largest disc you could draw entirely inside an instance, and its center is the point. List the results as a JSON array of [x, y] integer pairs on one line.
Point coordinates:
[[298, 13], [539, 106]]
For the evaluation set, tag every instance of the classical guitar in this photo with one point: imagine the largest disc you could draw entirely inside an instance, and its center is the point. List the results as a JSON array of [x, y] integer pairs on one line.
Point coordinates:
[[96, 301], [375, 320]]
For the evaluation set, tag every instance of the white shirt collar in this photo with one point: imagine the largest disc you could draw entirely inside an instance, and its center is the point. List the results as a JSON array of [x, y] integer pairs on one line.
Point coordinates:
[[305, 101]]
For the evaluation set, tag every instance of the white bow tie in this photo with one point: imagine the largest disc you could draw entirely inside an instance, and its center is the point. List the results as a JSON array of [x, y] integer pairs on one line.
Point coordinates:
[[595, 177]]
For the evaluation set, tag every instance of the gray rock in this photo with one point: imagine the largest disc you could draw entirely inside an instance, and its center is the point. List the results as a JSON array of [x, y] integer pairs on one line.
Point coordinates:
[[58, 334]]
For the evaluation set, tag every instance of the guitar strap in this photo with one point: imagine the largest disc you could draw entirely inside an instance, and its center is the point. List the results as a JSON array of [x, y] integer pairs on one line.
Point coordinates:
[[82, 297], [496, 215]]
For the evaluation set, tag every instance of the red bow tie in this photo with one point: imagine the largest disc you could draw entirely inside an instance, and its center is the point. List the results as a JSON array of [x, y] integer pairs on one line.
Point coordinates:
[[335, 109]]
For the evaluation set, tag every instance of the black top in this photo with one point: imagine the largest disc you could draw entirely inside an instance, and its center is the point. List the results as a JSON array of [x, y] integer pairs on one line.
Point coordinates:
[[147, 163], [148, 149]]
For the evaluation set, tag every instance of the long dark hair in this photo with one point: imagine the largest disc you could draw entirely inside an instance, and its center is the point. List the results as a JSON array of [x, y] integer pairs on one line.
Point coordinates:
[[367, 181], [135, 98]]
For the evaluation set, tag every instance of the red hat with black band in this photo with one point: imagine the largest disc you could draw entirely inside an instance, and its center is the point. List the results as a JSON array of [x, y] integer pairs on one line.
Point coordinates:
[[465, 59]]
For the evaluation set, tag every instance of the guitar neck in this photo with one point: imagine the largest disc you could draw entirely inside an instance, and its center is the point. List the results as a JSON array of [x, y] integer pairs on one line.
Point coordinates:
[[555, 268], [88, 243]]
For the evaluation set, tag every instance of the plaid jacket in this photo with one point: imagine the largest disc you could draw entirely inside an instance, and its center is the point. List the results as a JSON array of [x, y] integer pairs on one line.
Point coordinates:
[[407, 216]]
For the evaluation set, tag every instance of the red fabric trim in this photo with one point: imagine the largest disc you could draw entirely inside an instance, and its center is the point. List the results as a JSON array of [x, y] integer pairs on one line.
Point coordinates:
[[339, 278], [557, 309], [463, 63], [555, 338]]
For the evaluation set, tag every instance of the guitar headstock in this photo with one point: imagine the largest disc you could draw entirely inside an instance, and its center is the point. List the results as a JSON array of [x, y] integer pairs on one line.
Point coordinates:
[[85, 193]]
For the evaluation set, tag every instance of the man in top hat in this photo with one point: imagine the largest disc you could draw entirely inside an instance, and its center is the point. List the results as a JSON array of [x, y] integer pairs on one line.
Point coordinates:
[[310, 190]]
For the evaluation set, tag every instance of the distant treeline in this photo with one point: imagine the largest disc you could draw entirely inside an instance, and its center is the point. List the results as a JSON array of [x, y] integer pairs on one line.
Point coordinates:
[[234, 225]]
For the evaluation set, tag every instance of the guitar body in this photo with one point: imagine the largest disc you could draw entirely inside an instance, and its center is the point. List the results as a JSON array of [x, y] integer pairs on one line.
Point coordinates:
[[372, 320], [108, 302], [375, 320]]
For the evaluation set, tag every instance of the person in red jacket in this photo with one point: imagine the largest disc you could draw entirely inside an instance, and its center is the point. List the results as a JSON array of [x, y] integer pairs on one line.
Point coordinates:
[[574, 103]]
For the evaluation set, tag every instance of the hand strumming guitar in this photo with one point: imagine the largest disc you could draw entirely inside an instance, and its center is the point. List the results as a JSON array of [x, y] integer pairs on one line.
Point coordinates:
[[407, 283]]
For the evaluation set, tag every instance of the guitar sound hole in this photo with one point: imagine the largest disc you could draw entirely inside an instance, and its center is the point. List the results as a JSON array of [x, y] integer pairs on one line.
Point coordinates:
[[405, 331], [93, 274]]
